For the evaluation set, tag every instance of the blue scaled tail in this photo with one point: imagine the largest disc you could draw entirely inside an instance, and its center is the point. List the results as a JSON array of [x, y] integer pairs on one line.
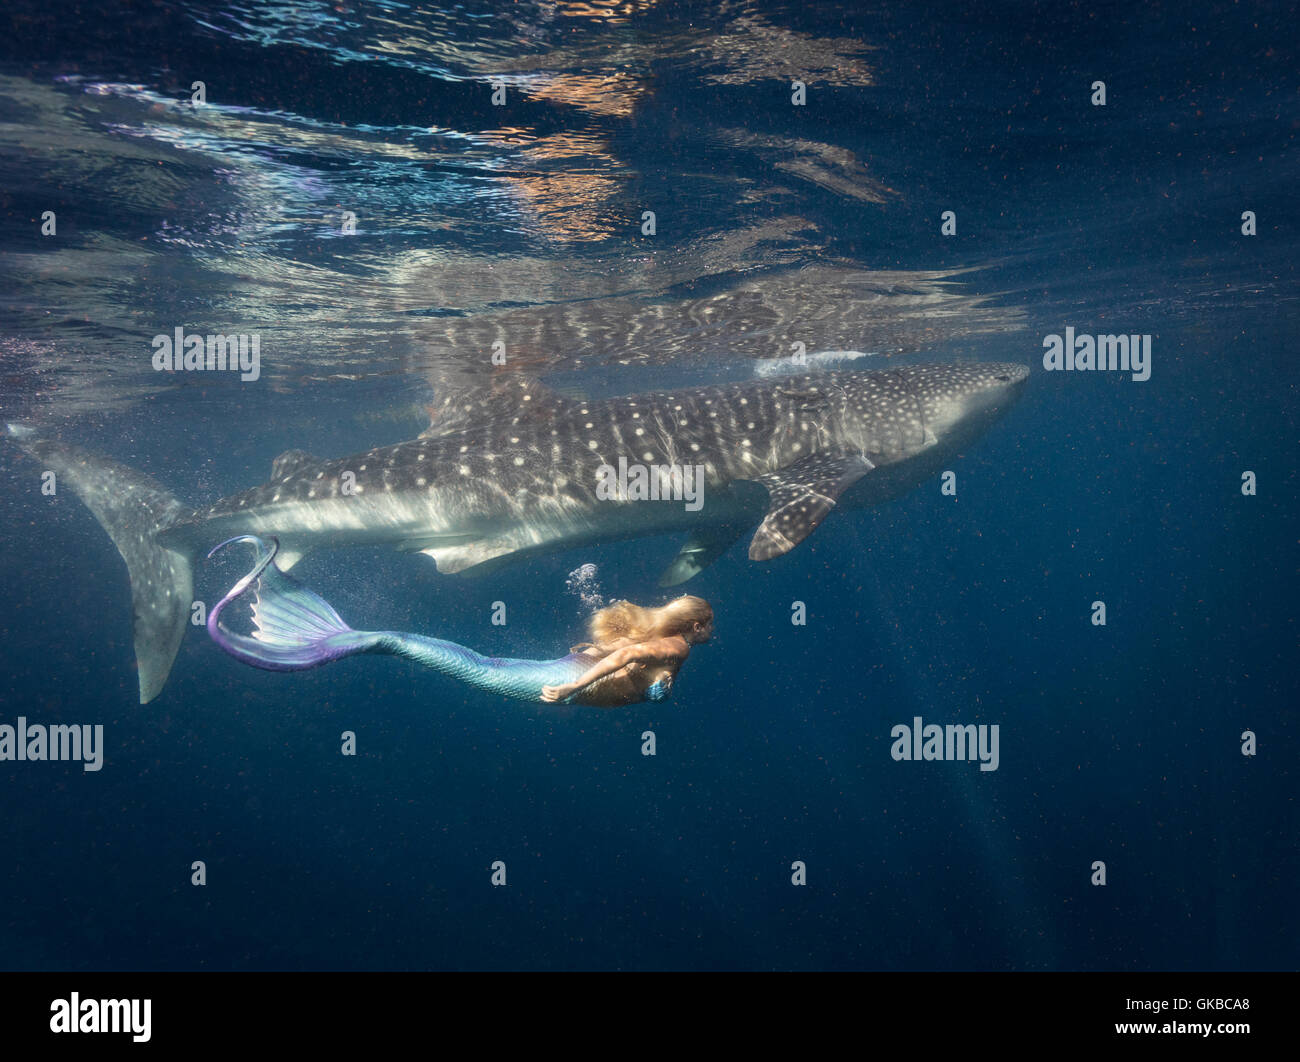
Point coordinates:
[[296, 629]]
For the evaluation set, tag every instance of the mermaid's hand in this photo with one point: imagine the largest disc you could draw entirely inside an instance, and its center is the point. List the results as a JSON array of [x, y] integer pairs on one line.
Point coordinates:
[[557, 693]]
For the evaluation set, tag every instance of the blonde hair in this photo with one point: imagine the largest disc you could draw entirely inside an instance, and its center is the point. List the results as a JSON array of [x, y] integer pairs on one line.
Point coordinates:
[[624, 621]]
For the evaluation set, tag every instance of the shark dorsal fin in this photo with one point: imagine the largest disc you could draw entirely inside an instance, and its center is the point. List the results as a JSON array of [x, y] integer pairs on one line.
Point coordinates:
[[801, 494], [517, 398], [291, 461]]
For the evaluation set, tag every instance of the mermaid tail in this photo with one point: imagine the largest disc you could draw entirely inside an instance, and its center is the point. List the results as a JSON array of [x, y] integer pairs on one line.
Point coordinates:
[[296, 629]]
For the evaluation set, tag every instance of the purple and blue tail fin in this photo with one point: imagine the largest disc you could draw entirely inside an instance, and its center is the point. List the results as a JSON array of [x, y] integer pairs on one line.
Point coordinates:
[[294, 628]]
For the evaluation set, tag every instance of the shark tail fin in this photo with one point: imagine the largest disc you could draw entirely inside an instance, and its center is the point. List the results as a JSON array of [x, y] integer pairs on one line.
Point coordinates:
[[134, 509], [294, 628]]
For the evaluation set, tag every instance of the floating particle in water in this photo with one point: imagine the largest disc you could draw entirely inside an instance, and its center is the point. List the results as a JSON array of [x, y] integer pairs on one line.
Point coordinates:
[[583, 583]]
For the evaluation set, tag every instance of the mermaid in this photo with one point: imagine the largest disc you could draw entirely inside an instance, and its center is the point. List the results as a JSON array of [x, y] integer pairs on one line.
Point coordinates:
[[633, 654]]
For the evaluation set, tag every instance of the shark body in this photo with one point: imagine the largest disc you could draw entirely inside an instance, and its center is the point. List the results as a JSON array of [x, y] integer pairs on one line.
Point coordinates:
[[513, 474]]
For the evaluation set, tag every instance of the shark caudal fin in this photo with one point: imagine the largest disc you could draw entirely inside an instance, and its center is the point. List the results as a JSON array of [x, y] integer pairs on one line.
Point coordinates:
[[133, 508], [294, 628]]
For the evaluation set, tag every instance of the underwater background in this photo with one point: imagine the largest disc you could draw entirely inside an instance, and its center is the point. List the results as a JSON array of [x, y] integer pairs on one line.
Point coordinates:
[[1119, 743]]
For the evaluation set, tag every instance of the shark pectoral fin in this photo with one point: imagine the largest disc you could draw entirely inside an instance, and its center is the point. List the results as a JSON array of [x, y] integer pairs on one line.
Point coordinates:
[[701, 549], [800, 496]]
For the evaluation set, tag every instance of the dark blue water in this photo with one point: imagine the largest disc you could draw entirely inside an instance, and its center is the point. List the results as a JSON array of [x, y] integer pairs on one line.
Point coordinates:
[[1119, 743]]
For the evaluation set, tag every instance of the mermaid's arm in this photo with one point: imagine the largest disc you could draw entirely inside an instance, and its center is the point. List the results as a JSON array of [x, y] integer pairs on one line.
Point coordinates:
[[659, 651]]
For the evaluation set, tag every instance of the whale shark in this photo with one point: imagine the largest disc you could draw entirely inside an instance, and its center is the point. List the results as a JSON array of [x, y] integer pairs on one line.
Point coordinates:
[[522, 470]]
